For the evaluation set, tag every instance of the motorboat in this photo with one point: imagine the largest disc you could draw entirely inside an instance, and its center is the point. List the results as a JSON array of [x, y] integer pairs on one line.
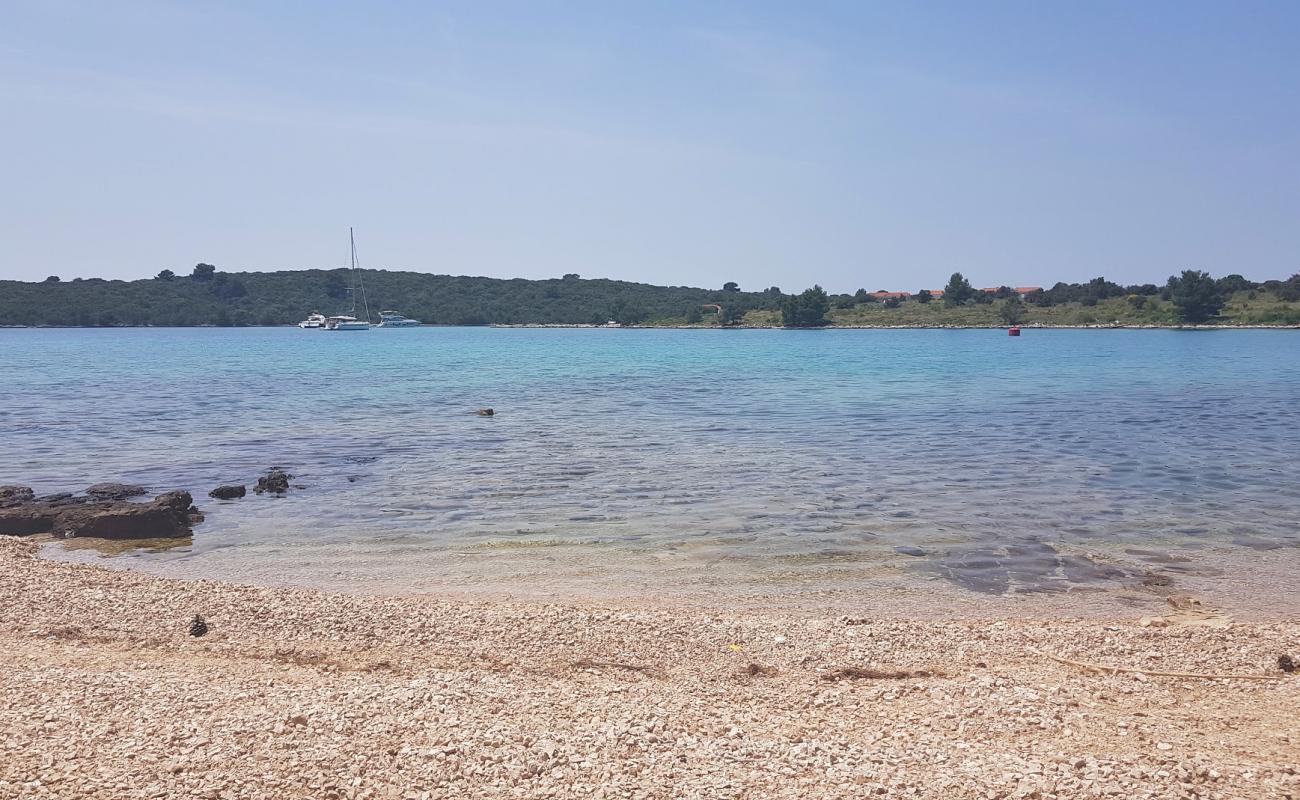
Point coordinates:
[[346, 323], [392, 319], [315, 320]]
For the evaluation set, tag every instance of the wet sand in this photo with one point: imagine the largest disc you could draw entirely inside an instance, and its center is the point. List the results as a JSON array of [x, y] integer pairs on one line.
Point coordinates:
[[300, 693]]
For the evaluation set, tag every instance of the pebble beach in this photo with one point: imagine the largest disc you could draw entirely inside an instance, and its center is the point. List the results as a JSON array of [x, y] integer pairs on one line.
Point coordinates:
[[308, 694]]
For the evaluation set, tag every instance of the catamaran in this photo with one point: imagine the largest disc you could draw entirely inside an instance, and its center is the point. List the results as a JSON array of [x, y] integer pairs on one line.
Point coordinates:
[[391, 319], [349, 322]]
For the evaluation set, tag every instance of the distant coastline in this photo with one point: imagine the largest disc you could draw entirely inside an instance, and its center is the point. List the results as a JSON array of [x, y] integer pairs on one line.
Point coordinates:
[[211, 297], [740, 327]]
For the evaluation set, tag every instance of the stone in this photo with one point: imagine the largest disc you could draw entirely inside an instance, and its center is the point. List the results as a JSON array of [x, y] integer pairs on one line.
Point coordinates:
[[169, 515], [14, 495], [485, 412], [197, 626], [275, 481], [228, 492], [114, 491]]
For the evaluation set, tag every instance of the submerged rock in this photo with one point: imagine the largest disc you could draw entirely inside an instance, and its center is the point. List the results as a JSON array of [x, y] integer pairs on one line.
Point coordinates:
[[485, 412], [114, 491], [167, 515], [275, 480], [228, 492]]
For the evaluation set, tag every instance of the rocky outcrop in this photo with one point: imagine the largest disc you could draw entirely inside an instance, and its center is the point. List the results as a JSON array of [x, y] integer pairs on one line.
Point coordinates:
[[167, 515], [228, 492], [275, 481], [114, 491], [15, 495]]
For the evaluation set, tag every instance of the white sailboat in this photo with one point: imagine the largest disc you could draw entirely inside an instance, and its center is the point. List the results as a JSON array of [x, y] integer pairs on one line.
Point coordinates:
[[349, 322]]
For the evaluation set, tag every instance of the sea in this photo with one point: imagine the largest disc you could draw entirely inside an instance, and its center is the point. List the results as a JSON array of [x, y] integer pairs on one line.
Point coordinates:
[[674, 461]]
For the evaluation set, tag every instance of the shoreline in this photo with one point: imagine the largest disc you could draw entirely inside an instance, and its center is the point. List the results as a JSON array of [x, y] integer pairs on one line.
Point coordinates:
[[577, 326], [304, 693]]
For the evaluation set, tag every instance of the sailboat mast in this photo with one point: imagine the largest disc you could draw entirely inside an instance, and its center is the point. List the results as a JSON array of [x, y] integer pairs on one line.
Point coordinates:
[[356, 273]]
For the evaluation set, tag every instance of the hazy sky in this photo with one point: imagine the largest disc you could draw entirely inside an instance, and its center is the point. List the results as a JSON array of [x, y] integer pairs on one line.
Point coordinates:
[[881, 145]]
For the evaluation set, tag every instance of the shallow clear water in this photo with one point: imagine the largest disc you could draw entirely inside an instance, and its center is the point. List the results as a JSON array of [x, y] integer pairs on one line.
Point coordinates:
[[1064, 457]]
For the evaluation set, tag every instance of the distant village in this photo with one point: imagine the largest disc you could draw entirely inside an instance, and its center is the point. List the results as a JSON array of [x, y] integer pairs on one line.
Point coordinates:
[[1000, 291]]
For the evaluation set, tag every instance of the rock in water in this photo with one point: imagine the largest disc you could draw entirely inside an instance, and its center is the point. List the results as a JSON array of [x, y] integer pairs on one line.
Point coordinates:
[[114, 491], [169, 515], [228, 492], [485, 412], [14, 495], [197, 626], [276, 480]]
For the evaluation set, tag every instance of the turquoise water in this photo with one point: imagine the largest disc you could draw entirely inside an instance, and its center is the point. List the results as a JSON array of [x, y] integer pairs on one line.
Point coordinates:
[[996, 463]]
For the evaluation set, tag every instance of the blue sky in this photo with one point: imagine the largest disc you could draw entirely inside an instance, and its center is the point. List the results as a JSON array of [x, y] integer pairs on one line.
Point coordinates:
[[877, 145]]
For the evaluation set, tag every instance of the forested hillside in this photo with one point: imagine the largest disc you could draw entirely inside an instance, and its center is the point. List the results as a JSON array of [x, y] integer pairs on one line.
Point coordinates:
[[208, 296], [211, 297]]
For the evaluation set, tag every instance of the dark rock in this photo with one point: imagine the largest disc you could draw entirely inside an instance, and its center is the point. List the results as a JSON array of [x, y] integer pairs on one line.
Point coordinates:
[[114, 491], [228, 492], [485, 412], [169, 515], [275, 480], [1286, 663], [29, 518], [197, 626], [908, 550], [14, 495]]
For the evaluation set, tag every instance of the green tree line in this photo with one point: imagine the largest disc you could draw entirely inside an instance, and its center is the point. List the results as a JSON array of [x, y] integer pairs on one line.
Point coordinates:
[[208, 296]]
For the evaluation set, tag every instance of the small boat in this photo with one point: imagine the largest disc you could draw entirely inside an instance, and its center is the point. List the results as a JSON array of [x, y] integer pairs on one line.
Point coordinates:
[[348, 322], [315, 320], [391, 319]]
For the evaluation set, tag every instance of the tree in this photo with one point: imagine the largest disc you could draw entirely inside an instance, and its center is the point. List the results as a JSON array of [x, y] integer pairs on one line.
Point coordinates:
[[571, 276], [807, 310], [693, 315], [1196, 296], [958, 291], [732, 314], [1012, 310], [773, 290], [924, 296], [165, 275], [731, 286], [1234, 283], [225, 286], [335, 286], [1289, 290], [204, 272], [52, 279]]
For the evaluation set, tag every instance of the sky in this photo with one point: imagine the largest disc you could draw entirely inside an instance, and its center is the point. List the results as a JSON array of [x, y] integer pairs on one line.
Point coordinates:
[[853, 144]]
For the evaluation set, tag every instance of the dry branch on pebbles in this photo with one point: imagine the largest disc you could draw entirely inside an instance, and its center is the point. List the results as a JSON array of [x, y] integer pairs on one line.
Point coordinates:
[[301, 694]]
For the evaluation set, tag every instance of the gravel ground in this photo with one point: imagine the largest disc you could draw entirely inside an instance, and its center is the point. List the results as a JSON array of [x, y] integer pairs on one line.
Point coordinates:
[[296, 693]]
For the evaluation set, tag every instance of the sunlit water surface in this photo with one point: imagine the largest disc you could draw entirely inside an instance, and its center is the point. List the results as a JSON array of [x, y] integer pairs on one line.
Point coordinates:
[[635, 459]]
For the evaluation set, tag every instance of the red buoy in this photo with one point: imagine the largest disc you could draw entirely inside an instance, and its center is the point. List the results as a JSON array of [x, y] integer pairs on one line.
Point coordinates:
[[1013, 331]]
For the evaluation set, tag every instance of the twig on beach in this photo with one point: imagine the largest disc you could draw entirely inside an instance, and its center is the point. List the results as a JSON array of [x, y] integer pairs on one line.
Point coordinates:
[[854, 673], [587, 663], [1154, 673]]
